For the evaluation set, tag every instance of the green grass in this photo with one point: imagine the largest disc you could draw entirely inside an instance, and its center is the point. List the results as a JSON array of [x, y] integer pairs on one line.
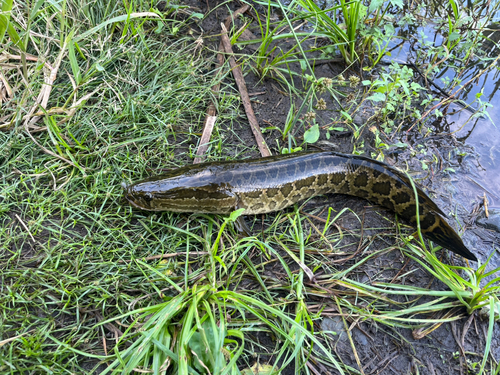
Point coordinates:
[[68, 242], [88, 284]]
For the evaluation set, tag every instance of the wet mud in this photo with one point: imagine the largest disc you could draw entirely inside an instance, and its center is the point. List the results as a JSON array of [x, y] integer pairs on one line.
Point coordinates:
[[381, 349]]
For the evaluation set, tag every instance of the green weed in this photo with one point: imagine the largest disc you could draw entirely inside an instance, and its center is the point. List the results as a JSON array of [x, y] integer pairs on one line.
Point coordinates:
[[343, 36], [87, 284]]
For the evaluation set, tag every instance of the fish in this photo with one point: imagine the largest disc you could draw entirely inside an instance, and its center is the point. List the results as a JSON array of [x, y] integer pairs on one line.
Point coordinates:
[[273, 183]]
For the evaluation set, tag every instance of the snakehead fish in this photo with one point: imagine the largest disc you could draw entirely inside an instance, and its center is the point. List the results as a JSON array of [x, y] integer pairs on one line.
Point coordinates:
[[273, 183]]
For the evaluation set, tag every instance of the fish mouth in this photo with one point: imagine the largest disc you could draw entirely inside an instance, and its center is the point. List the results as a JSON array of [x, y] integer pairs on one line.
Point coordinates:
[[132, 203], [130, 198], [128, 195], [137, 203]]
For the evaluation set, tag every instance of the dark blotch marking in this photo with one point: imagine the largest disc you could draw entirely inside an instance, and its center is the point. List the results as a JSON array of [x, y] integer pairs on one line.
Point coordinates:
[[322, 180], [254, 194], [312, 193], [305, 182], [402, 197], [272, 192], [398, 184], [383, 188], [257, 206], [441, 236], [343, 188], [354, 166], [287, 189], [272, 205], [427, 221], [361, 180], [376, 173], [285, 203], [362, 194], [410, 211], [440, 233], [337, 178], [387, 203]]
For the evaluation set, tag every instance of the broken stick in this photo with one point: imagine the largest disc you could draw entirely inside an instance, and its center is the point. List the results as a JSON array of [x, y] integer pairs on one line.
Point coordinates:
[[210, 118], [240, 82]]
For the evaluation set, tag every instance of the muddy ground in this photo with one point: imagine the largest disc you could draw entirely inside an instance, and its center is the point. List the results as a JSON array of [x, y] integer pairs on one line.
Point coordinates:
[[381, 349]]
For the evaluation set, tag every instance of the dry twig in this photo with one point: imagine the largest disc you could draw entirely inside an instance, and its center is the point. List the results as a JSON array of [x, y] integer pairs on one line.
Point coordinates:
[[211, 110], [245, 98], [42, 100], [10, 339]]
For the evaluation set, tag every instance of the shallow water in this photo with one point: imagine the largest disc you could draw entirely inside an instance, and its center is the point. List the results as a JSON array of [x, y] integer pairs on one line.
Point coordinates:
[[479, 171], [473, 159]]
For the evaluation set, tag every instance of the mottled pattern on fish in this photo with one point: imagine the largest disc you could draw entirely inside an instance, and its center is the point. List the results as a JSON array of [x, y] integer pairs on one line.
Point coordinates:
[[274, 183]]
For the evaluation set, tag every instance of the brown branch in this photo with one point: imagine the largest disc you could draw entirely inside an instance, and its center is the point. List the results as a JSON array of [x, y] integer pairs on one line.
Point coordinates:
[[7, 56], [26, 228], [52, 111], [211, 110], [6, 341], [42, 100], [245, 98], [207, 133], [235, 14], [43, 97]]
